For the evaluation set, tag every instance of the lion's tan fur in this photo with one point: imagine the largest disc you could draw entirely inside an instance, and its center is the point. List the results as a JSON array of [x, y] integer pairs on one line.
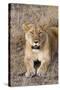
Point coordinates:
[[44, 55]]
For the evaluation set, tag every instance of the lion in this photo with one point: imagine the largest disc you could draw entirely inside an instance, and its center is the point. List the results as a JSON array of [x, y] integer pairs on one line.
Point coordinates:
[[41, 44]]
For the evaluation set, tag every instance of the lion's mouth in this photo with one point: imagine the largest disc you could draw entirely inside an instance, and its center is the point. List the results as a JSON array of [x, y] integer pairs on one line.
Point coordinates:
[[35, 47]]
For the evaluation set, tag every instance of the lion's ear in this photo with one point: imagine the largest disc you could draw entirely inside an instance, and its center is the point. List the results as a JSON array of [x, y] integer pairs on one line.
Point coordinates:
[[27, 26]]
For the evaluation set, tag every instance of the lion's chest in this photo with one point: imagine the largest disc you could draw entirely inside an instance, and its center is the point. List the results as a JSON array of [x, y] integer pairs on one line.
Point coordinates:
[[40, 55], [37, 55]]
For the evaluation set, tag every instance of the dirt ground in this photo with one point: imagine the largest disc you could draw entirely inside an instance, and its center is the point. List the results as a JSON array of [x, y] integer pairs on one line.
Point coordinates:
[[38, 15]]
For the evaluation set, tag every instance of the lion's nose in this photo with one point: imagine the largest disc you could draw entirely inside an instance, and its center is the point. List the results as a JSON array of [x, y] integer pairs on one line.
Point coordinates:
[[36, 41]]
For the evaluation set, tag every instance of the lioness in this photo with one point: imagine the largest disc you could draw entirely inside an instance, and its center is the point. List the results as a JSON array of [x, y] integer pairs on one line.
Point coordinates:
[[41, 43]]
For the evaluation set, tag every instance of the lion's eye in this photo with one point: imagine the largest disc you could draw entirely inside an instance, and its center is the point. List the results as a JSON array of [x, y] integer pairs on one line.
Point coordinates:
[[31, 32], [40, 33]]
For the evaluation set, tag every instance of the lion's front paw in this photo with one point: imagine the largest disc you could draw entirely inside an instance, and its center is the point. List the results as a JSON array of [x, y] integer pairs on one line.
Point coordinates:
[[41, 72], [27, 74], [30, 74]]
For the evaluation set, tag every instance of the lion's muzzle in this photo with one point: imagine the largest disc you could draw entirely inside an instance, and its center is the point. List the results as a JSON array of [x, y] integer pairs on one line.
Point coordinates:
[[35, 47]]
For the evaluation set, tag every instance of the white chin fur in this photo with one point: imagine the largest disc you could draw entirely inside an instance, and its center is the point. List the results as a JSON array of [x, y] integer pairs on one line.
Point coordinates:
[[35, 50]]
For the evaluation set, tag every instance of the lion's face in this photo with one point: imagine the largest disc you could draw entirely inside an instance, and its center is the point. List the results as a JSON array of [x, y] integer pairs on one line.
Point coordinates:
[[35, 37]]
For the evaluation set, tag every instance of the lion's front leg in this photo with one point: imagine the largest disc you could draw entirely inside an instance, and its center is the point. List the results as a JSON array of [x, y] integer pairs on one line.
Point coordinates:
[[29, 67], [43, 68]]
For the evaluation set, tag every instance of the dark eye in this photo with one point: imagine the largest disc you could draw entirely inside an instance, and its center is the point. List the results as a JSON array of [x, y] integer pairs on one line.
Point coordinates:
[[31, 32], [40, 33]]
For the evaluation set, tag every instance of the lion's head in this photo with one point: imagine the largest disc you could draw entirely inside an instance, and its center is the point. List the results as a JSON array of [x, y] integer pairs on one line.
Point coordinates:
[[36, 37]]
